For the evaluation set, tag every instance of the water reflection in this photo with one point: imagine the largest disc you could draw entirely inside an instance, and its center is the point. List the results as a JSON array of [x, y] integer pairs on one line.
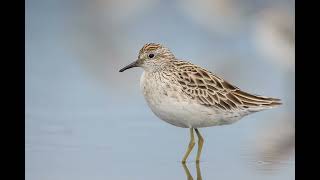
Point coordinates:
[[189, 176]]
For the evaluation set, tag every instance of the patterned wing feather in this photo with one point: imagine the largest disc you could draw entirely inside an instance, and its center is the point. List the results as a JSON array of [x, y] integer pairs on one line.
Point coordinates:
[[210, 90]]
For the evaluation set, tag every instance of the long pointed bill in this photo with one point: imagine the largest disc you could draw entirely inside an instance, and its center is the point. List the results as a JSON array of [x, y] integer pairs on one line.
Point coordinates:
[[134, 64]]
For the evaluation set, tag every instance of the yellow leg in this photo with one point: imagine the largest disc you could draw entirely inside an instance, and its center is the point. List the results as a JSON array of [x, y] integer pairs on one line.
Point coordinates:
[[186, 170], [200, 144], [190, 147], [198, 171]]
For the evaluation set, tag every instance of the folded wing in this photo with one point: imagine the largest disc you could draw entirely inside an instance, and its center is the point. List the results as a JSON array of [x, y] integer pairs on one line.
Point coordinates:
[[210, 90]]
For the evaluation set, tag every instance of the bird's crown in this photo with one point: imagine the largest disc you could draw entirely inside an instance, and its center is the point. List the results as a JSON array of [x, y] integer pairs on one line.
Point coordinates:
[[156, 49]]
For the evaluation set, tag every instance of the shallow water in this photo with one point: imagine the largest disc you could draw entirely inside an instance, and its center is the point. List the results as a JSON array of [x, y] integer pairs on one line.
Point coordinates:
[[91, 145]]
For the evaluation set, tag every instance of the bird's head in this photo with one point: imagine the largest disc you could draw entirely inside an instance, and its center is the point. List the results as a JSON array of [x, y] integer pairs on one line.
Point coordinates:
[[151, 57]]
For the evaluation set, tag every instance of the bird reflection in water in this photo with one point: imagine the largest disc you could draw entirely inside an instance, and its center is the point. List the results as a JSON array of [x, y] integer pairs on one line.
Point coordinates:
[[189, 176]]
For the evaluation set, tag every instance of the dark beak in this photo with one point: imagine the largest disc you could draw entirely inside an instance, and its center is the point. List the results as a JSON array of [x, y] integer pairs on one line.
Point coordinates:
[[134, 64]]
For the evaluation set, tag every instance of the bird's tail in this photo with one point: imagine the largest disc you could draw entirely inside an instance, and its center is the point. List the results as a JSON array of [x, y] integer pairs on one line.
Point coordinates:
[[256, 102]]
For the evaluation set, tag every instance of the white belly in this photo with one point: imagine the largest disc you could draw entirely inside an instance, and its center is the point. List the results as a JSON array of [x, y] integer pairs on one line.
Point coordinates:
[[180, 110]]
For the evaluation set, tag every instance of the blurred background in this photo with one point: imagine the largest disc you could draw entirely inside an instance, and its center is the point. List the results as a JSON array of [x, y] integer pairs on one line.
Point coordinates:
[[85, 120]]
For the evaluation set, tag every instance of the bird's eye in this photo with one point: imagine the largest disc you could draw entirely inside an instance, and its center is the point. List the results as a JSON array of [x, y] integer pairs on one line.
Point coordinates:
[[151, 55]]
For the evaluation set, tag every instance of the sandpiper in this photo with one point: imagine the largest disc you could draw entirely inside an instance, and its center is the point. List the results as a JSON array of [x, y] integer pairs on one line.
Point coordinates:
[[188, 96]]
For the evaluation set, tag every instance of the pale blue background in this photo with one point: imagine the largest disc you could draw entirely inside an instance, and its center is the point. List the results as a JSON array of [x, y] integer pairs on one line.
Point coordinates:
[[85, 120]]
